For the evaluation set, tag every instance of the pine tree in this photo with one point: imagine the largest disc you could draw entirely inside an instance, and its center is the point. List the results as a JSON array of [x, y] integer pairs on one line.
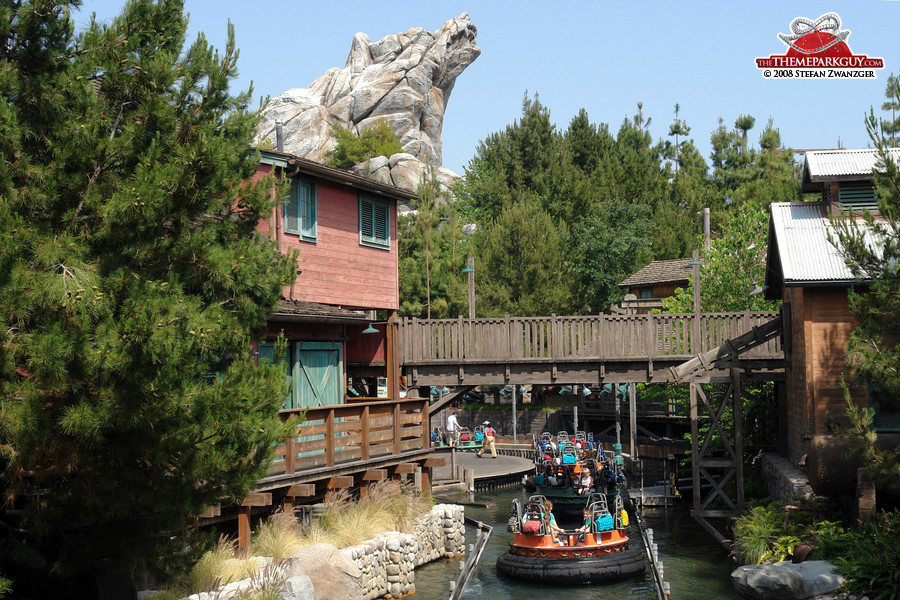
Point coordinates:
[[131, 280], [871, 248], [891, 127]]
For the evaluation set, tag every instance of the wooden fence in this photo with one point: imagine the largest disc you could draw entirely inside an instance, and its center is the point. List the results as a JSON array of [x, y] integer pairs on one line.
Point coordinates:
[[557, 338], [339, 434]]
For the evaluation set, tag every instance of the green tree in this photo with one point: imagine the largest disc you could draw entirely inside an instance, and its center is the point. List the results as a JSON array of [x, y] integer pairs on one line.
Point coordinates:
[[733, 267], [130, 269], [522, 264], [377, 140], [891, 126]]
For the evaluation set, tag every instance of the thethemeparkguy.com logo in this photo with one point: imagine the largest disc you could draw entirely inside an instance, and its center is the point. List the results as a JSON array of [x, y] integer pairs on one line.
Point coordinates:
[[818, 49]]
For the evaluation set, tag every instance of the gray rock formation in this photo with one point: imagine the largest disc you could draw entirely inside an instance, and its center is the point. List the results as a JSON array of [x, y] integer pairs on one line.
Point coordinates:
[[404, 79], [786, 581], [331, 573]]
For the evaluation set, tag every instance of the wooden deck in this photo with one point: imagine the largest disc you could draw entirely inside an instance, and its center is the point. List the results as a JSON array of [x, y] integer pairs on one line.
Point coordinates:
[[587, 349]]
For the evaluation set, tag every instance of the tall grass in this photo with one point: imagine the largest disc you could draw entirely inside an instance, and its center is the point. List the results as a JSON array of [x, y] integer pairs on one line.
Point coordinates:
[[346, 521]]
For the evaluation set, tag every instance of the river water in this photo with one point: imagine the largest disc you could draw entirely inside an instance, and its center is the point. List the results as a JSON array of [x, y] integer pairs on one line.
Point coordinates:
[[696, 567]]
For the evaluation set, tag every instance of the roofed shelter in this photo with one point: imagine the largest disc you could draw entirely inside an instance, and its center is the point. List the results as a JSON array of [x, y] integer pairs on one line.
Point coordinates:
[[656, 281]]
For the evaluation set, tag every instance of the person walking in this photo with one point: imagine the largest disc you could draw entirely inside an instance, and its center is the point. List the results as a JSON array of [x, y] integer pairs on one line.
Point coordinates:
[[452, 428], [488, 440]]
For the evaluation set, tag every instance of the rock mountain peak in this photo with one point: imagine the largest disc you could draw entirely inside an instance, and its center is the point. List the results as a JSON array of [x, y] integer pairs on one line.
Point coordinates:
[[404, 79]]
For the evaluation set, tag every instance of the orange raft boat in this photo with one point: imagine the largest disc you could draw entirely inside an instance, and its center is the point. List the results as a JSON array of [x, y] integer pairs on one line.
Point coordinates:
[[576, 557]]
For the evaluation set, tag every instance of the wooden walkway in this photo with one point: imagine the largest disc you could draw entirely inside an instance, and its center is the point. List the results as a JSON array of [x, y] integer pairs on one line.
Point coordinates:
[[567, 350]]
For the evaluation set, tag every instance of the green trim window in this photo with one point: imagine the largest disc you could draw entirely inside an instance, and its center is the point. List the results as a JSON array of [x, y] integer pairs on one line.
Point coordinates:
[[300, 210], [374, 222]]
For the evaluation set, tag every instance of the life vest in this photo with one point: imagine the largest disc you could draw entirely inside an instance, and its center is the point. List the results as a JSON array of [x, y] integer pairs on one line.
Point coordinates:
[[489, 431], [605, 522], [624, 518]]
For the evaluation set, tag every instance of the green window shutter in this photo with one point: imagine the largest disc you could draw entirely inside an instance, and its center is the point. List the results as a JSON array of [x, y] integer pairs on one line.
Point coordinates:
[[857, 195], [292, 210], [307, 201], [374, 222]]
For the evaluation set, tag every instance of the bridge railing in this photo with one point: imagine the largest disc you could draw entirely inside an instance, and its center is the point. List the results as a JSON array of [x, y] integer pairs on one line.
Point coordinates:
[[332, 435], [592, 337]]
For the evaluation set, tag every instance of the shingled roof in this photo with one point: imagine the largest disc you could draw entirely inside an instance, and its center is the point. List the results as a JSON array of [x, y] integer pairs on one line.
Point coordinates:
[[314, 311], [660, 271]]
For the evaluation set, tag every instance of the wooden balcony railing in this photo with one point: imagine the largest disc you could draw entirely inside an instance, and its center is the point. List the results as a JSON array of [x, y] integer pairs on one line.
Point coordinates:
[[344, 433], [590, 338]]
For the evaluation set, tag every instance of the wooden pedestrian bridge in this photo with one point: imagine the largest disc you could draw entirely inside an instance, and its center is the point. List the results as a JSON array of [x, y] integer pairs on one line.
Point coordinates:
[[591, 350]]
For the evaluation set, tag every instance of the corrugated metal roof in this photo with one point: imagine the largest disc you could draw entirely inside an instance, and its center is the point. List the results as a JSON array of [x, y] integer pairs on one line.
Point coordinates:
[[801, 232], [827, 165]]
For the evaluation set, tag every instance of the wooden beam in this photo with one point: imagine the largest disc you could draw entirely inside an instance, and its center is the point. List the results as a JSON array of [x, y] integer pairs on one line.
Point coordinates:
[[375, 475], [244, 528], [212, 511], [405, 469], [340, 482], [261, 499], [301, 490], [435, 461]]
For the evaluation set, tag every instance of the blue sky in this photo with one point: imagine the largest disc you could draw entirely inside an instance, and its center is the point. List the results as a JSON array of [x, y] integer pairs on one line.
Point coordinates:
[[600, 56]]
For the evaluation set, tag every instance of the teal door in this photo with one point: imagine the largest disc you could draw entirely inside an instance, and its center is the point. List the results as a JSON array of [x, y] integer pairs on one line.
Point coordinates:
[[317, 376]]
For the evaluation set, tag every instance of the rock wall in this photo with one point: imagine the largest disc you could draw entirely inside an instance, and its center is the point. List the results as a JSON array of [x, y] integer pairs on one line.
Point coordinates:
[[387, 563], [786, 482], [404, 79]]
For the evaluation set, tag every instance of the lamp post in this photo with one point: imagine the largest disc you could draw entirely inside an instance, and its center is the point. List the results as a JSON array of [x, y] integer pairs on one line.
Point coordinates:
[[470, 270]]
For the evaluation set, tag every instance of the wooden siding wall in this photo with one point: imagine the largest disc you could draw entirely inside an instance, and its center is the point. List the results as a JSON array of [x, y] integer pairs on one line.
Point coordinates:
[[821, 325], [336, 269]]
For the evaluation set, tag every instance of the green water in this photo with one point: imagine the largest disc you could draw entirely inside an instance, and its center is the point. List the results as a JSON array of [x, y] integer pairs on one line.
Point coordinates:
[[696, 567]]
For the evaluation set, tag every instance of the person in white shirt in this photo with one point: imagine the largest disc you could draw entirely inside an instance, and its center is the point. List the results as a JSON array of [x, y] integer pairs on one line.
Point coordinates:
[[452, 428]]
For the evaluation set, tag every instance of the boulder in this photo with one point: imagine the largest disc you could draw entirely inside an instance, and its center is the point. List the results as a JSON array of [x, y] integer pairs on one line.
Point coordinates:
[[404, 79], [331, 572], [299, 587], [786, 581]]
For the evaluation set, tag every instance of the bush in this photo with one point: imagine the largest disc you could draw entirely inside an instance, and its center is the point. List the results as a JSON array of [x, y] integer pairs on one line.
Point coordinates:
[[869, 557], [377, 140]]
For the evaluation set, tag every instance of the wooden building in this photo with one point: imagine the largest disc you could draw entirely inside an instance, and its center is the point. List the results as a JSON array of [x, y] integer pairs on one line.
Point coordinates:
[[339, 319], [808, 274], [646, 288]]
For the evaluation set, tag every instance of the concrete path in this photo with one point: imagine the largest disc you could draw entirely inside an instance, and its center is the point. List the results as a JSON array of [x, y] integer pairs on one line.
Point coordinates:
[[484, 467]]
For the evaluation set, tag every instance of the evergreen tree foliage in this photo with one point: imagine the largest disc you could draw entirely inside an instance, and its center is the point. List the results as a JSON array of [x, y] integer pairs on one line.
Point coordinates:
[[130, 269], [891, 126], [871, 248], [376, 140]]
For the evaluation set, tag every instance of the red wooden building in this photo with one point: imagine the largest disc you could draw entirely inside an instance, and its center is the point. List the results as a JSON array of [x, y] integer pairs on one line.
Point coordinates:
[[338, 318]]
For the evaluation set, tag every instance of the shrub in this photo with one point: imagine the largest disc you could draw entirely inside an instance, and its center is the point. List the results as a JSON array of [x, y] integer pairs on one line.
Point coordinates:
[[377, 140]]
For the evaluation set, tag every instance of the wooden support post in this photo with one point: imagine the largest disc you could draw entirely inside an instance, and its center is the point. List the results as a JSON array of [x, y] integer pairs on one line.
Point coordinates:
[[329, 438], [392, 356], [244, 529], [262, 499], [426, 481], [695, 451], [364, 434], [398, 430], [289, 452], [738, 440]]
